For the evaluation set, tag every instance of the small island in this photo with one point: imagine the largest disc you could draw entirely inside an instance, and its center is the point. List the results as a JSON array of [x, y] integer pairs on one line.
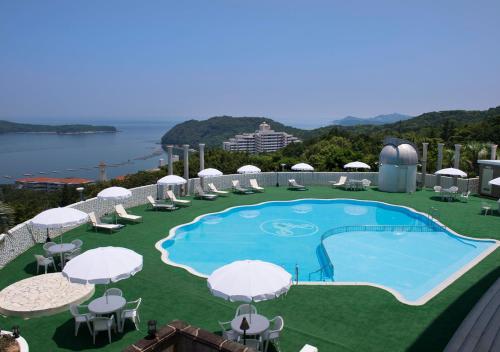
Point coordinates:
[[13, 127]]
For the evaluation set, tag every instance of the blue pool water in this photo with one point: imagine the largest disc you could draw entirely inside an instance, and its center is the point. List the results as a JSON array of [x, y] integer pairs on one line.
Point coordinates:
[[411, 259]]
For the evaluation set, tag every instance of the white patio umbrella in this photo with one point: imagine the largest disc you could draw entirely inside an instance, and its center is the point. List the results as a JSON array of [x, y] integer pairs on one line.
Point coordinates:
[[209, 173], [103, 265], [249, 281], [356, 165], [495, 182], [248, 169], [58, 218], [302, 167], [114, 194], [451, 172], [171, 180]]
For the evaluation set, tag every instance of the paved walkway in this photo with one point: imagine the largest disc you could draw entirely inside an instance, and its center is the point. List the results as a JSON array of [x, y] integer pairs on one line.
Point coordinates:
[[40, 295]]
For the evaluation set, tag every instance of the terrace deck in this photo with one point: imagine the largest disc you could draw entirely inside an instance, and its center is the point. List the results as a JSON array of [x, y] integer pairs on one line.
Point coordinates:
[[333, 318]]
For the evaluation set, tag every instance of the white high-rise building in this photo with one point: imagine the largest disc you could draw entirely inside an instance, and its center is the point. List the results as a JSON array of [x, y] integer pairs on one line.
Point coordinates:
[[261, 141]]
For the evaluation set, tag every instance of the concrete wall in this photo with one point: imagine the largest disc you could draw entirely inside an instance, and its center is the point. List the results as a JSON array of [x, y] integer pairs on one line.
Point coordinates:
[[22, 237]]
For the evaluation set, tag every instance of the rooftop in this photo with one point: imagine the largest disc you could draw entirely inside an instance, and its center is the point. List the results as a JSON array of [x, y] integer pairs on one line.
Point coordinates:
[[69, 181], [340, 318]]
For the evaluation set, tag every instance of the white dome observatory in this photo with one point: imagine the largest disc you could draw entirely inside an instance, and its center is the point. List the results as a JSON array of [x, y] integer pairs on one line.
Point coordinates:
[[398, 166]]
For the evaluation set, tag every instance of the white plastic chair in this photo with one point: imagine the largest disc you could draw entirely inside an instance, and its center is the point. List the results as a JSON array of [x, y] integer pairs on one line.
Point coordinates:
[[132, 314], [78, 243], [245, 309], [366, 183], [70, 255], [46, 247], [80, 317], [252, 343], [113, 291], [465, 196], [227, 332], [45, 262], [103, 324], [273, 333]]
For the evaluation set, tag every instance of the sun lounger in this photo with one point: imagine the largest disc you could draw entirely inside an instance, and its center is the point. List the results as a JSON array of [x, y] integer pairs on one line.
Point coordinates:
[[162, 206], [97, 224], [214, 189], [340, 182], [255, 186], [180, 202], [293, 185], [200, 193], [122, 214], [238, 189]]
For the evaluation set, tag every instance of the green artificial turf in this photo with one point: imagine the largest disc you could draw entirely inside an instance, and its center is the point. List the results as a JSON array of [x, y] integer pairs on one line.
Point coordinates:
[[333, 318]]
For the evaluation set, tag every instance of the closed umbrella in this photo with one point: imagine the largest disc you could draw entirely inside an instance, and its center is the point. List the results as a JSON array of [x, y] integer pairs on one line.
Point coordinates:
[[58, 218], [115, 194]]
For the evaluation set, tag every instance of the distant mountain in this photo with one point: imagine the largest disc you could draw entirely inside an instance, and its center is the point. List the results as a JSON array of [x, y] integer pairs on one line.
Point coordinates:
[[377, 120], [14, 127], [217, 129]]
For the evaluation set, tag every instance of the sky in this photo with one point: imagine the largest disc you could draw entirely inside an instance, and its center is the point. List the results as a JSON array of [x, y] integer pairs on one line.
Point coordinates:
[[299, 62]]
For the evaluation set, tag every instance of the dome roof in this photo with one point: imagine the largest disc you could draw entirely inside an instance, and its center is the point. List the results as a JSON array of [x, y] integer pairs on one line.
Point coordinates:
[[403, 154]]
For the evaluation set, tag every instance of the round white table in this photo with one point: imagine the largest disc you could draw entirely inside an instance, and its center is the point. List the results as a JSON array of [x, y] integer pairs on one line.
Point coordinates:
[[23, 345], [258, 324], [108, 305], [61, 249]]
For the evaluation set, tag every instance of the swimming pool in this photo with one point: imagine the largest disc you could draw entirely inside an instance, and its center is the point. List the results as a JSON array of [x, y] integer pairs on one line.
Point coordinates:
[[333, 241]]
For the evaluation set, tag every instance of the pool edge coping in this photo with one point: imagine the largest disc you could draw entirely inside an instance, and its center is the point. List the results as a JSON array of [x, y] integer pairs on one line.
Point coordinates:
[[421, 301]]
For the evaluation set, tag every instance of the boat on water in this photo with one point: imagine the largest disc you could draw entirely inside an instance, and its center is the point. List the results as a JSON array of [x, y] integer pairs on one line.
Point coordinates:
[[7, 176], [27, 174]]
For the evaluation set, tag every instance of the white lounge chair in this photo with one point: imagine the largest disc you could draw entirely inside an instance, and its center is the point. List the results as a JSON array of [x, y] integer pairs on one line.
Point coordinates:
[[200, 193], [45, 262], [122, 214], [103, 324], [293, 185], [238, 189], [131, 313], [97, 224], [255, 186], [214, 189], [340, 182], [273, 333], [465, 196], [174, 200], [161, 206], [79, 317]]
